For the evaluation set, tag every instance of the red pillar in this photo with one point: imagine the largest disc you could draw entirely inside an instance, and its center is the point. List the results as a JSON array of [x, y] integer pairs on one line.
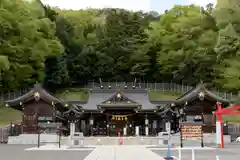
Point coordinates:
[[219, 116]]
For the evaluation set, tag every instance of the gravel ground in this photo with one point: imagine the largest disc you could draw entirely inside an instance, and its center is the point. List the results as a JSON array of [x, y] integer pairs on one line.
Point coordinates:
[[17, 152]]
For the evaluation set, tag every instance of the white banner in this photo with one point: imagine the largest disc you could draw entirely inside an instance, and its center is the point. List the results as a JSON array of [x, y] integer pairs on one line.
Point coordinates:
[[72, 128], [218, 132], [146, 131], [137, 131], [168, 127], [125, 131]]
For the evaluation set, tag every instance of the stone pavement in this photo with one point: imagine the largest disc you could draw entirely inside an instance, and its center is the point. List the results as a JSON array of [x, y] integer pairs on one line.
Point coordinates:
[[30, 152], [18, 152], [230, 152], [122, 153]]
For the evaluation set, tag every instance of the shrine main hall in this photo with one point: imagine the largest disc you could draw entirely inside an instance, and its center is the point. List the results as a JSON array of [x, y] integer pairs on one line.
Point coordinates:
[[125, 110]]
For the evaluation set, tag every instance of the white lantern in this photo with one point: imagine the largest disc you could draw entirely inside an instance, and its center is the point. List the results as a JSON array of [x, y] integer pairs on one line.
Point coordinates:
[[91, 121], [146, 121]]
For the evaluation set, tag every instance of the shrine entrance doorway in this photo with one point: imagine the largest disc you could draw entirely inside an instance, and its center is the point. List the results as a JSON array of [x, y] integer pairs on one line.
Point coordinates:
[[121, 123]]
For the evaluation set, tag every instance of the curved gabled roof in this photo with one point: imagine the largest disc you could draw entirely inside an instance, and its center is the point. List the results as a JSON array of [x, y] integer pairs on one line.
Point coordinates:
[[43, 94], [122, 101], [194, 94], [136, 99]]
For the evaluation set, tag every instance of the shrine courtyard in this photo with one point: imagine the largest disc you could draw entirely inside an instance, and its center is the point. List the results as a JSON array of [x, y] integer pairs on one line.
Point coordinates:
[[14, 152]]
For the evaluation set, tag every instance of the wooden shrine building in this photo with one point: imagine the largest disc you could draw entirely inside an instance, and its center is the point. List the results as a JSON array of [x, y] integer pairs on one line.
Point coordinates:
[[126, 110]]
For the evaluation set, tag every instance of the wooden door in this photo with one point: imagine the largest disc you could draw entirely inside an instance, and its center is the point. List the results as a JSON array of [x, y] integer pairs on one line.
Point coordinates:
[[29, 124]]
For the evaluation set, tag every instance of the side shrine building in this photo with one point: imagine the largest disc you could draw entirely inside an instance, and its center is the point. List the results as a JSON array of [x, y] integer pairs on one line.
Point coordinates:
[[108, 112]]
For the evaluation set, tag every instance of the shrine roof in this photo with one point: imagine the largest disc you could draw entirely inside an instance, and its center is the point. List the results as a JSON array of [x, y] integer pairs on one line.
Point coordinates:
[[103, 98], [37, 90], [197, 92]]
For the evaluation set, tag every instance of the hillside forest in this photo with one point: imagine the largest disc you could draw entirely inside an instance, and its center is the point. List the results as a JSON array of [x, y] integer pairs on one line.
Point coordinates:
[[185, 45]]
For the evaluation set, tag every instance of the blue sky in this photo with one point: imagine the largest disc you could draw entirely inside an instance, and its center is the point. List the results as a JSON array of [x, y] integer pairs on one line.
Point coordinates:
[[146, 5]]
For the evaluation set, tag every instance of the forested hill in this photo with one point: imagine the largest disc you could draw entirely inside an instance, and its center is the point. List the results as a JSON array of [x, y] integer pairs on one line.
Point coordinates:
[[187, 44]]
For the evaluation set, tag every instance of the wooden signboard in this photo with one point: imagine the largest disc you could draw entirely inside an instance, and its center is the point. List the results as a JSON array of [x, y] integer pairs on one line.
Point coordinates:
[[191, 131], [119, 117]]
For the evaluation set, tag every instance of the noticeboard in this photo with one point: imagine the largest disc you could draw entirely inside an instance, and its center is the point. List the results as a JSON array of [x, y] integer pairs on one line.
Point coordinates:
[[192, 131], [45, 118]]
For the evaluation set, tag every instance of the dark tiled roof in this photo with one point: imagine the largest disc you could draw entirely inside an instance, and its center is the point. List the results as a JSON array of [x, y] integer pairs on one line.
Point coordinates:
[[194, 94], [96, 98], [141, 98], [30, 95]]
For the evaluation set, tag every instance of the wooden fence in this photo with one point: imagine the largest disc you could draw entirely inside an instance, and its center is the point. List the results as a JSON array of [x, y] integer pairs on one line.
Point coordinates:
[[158, 87], [233, 130]]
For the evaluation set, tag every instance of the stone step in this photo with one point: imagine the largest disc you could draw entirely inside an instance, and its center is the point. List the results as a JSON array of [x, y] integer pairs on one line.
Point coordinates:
[[163, 140]]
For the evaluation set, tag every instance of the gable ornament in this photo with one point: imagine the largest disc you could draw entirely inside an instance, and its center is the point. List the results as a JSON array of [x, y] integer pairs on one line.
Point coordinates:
[[37, 96]]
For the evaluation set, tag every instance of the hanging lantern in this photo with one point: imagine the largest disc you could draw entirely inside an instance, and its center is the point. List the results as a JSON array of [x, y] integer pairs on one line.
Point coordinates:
[[37, 96], [118, 118], [113, 118], [91, 121], [126, 118]]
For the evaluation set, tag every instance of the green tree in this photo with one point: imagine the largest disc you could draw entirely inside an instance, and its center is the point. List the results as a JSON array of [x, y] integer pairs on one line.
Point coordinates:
[[27, 37], [56, 72], [229, 75], [228, 44], [184, 41], [121, 39]]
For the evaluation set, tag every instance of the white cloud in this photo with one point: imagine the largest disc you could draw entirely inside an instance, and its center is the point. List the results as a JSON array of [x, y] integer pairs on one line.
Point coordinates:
[[145, 5], [202, 2]]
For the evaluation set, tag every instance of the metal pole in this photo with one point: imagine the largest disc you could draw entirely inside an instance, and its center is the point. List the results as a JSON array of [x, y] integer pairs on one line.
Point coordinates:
[[181, 139], [11, 128], [169, 140], [179, 154], [202, 144], [38, 139], [193, 154], [59, 140]]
